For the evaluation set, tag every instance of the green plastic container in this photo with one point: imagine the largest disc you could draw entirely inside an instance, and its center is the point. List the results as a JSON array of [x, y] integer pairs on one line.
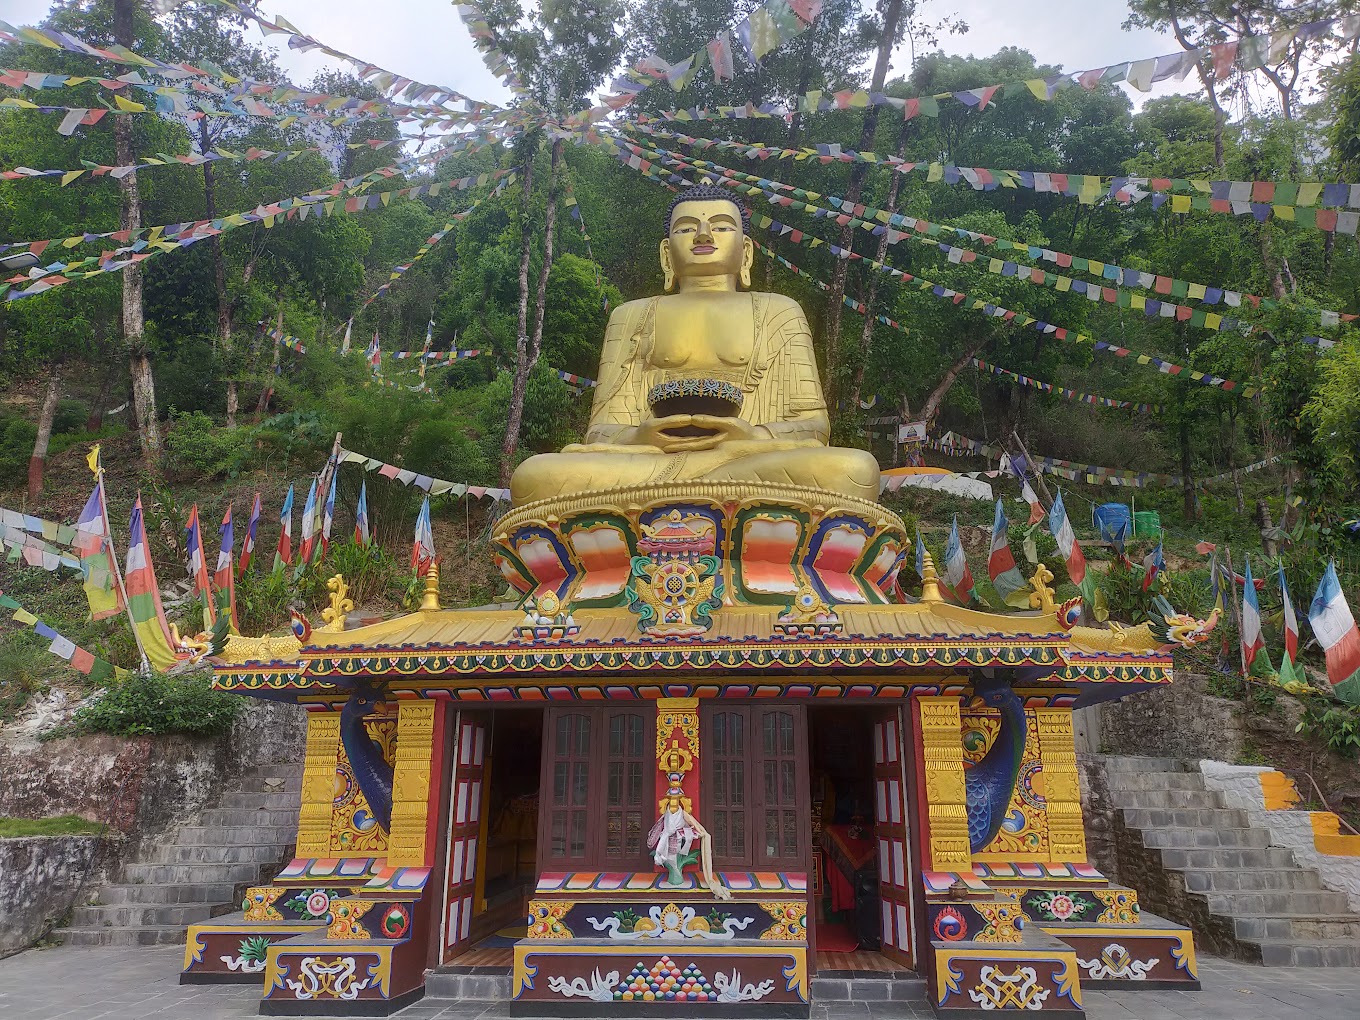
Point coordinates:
[[1147, 524]]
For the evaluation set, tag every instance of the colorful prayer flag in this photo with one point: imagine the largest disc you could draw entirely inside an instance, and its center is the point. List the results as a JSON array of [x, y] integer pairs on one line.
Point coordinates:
[[96, 555], [956, 572], [248, 546], [198, 568], [362, 535], [224, 578], [344, 344], [422, 549], [1155, 562], [1291, 622], [1252, 641], [1066, 538], [144, 597], [920, 555], [1335, 629], [328, 515], [283, 554], [307, 547], [1001, 568]]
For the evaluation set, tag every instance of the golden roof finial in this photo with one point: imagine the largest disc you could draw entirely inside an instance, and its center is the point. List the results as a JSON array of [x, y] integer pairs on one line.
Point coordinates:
[[1042, 596], [341, 604], [930, 581], [430, 600]]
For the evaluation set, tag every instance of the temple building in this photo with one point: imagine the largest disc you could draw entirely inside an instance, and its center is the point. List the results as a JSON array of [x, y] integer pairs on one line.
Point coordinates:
[[711, 756]]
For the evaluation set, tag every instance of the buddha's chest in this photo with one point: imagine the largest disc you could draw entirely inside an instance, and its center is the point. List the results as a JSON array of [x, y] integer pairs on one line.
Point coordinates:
[[713, 332]]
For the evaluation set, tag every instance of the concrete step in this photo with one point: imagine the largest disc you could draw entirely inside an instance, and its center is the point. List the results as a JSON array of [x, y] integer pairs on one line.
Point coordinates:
[[190, 874], [1302, 928], [451, 985], [259, 853], [1190, 839], [832, 986], [138, 915], [1258, 902], [236, 835], [1281, 953], [273, 801], [1188, 818], [169, 935], [1230, 879], [1122, 763], [1170, 799], [1121, 781], [226, 818], [1178, 858], [151, 892]]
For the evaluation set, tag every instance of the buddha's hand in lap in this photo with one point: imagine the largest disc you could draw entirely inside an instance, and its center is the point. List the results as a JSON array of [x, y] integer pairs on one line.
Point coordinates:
[[721, 431]]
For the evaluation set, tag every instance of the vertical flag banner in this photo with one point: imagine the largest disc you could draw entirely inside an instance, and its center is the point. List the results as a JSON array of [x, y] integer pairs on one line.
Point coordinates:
[[1066, 538], [144, 597], [1006, 577], [373, 354], [1036, 509], [328, 516], [422, 549], [248, 546], [1252, 642], [362, 535], [307, 548], [1291, 634], [95, 550], [224, 578], [1155, 562], [198, 568], [956, 572], [920, 555], [344, 344], [1334, 627], [283, 554]]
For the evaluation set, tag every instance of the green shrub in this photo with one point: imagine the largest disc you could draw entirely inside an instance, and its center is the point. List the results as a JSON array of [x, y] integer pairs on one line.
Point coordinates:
[[16, 447], [199, 447], [23, 665], [153, 704], [1336, 725], [263, 598]]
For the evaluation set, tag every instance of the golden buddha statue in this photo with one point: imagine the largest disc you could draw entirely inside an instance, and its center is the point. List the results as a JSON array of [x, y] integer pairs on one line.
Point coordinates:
[[707, 383]]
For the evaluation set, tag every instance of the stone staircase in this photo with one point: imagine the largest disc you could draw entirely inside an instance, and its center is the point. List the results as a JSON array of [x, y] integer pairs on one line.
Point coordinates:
[[1198, 862], [200, 870]]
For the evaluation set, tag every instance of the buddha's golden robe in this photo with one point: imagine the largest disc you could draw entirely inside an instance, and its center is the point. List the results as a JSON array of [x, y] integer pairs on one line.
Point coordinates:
[[773, 365]]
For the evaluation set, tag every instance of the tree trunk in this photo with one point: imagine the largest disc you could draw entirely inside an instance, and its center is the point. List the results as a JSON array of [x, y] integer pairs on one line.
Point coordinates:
[[931, 407], [858, 171], [223, 337], [804, 79], [233, 402], [866, 337], [1220, 118], [549, 230], [94, 421], [38, 462], [520, 383], [1191, 503], [267, 390], [143, 381]]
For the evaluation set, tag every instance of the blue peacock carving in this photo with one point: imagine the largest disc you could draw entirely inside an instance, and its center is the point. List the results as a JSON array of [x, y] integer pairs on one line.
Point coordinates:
[[371, 770], [990, 782]]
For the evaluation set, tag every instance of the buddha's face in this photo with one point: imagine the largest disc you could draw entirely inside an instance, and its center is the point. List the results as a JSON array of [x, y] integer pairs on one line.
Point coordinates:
[[705, 239]]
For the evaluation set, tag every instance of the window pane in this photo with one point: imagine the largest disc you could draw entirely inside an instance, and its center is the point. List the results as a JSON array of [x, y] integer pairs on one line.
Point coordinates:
[[615, 784], [560, 783], [633, 834], [768, 724], [786, 775], [737, 790], [616, 724], [578, 834], [613, 844], [791, 834], [720, 834], [719, 739], [582, 735], [771, 790], [563, 746], [771, 833], [719, 793], [738, 838], [737, 724], [559, 834], [580, 783], [785, 733], [635, 736], [634, 784]]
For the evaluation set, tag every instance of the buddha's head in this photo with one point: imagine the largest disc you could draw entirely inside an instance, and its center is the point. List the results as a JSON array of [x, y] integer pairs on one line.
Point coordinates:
[[707, 236]]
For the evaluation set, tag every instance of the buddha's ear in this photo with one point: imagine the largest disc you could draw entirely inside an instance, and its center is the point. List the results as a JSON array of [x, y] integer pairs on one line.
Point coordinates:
[[748, 259], [667, 270]]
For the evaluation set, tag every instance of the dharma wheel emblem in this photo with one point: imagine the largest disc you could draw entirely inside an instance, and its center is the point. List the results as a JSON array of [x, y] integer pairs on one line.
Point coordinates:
[[675, 587]]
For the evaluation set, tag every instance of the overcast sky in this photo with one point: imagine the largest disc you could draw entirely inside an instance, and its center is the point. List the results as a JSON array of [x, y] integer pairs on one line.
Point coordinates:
[[425, 40]]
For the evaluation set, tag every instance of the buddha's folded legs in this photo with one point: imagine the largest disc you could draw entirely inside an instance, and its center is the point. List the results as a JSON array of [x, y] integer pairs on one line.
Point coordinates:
[[832, 469], [851, 472]]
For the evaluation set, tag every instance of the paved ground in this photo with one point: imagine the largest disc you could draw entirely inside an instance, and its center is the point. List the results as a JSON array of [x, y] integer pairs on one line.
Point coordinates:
[[129, 984]]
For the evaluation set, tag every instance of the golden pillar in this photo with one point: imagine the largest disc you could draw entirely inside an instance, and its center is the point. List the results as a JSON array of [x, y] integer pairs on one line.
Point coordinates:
[[677, 751], [1062, 788], [318, 784], [411, 783], [946, 798]]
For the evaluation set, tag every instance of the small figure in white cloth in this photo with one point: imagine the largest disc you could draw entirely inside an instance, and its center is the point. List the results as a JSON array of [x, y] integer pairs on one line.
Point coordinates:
[[673, 837]]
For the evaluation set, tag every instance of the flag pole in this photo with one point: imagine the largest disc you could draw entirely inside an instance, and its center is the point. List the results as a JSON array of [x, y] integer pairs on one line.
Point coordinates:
[[113, 555]]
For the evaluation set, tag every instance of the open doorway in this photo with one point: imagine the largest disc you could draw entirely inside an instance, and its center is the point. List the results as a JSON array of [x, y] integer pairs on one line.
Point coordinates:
[[499, 867], [861, 903]]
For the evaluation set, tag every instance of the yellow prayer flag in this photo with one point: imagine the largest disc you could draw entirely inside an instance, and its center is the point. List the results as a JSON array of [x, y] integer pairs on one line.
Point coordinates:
[[935, 173], [1137, 302], [25, 617], [93, 459], [994, 266], [1180, 203], [1309, 194], [1196, 292], [1064, 283], [1283, 212], [71, 242], [128, 105], [70, 176], [1213, 321], [1039, 87], [1095, 268]]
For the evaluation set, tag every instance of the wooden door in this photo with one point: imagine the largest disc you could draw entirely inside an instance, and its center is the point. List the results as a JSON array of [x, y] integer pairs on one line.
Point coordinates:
[[470, 733], [891, 831]]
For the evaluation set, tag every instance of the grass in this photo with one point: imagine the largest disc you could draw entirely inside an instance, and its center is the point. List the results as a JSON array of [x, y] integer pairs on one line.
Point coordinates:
[[62, 825]]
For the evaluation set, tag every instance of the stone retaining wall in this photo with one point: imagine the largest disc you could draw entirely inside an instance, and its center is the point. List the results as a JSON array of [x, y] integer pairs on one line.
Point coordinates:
[[41, 879]]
